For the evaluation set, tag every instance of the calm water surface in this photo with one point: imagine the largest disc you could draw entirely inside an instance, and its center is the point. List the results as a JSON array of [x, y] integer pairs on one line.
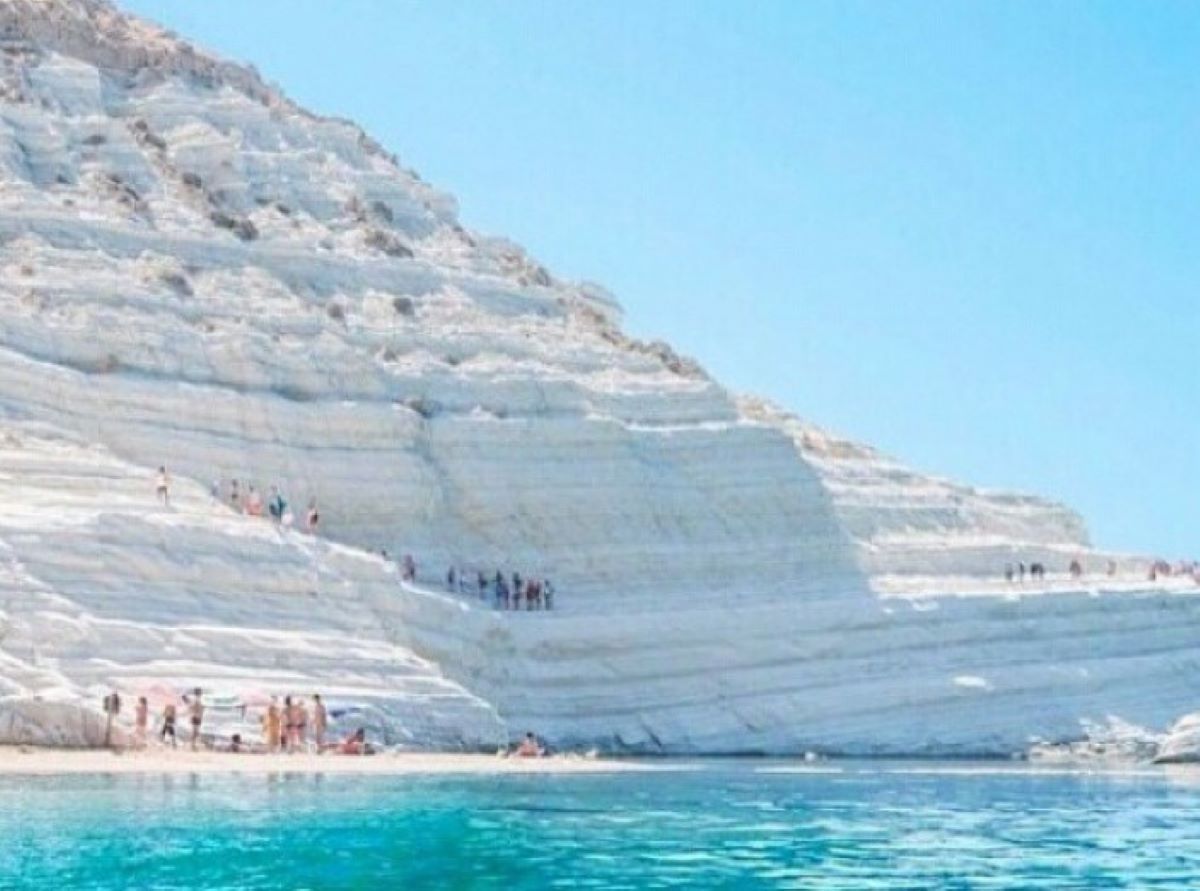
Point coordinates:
[[720, 825]]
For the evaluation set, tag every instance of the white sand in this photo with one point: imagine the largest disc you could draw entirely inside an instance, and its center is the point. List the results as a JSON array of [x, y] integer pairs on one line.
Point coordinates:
[[40, 761]]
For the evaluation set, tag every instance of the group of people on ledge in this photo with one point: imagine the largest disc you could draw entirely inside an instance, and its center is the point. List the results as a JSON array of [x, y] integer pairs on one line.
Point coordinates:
[[1158, 569], [286, 727], [248, 500], [505, 593]]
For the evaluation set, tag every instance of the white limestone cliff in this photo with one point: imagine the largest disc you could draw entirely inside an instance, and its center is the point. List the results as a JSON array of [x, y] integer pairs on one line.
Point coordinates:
[[196, 272]]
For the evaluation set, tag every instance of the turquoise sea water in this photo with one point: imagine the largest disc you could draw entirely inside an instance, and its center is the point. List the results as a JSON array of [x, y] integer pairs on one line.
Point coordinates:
[[720, 825]]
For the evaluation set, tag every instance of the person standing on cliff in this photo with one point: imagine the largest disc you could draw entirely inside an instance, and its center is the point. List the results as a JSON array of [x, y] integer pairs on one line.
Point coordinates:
[[162, 486]]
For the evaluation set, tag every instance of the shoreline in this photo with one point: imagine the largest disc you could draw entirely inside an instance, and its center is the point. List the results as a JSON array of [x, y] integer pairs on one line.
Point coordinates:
[[37, 761], [30, 761]]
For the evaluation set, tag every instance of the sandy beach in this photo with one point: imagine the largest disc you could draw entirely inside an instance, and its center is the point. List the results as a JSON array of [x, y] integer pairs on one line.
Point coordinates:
[[28, 761]]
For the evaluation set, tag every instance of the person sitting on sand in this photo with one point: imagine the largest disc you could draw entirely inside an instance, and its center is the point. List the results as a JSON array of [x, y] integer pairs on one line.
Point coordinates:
[[529, 747], [356, 744], [168, 725], [235, 744], [162, 486]]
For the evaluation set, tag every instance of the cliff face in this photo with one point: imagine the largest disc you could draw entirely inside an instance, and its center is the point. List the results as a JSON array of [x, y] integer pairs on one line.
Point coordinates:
[[195, 272]]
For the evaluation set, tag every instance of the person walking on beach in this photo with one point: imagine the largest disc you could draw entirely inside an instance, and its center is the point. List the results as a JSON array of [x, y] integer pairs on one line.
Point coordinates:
[[235, 496], [168, 725], [271, 724], [141, 720], [196, 710], [313, 518], [162, 486], [320, 720]]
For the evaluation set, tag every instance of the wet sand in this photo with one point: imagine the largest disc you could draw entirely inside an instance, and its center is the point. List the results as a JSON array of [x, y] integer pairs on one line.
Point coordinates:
[[40, 761]]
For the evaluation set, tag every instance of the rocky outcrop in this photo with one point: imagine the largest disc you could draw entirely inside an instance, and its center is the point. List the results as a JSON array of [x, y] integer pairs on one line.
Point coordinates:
[[196, 272]]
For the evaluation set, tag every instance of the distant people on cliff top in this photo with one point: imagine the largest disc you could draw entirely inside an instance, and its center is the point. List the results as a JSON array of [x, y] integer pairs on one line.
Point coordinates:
[[1075, 568], [506, 594], [248, 499], [162, 486]]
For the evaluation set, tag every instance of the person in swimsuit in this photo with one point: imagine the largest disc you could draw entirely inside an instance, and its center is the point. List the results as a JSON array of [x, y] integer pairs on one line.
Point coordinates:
[[271, 722], [300, 723], [196, 710], [168, 725], [162, 485], [320, 720], [289, 724], [141, 720], [529, 747], [355, 744]]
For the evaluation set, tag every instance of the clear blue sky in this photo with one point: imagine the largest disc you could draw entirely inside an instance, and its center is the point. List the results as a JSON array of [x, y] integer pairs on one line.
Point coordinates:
[[968, 233]]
